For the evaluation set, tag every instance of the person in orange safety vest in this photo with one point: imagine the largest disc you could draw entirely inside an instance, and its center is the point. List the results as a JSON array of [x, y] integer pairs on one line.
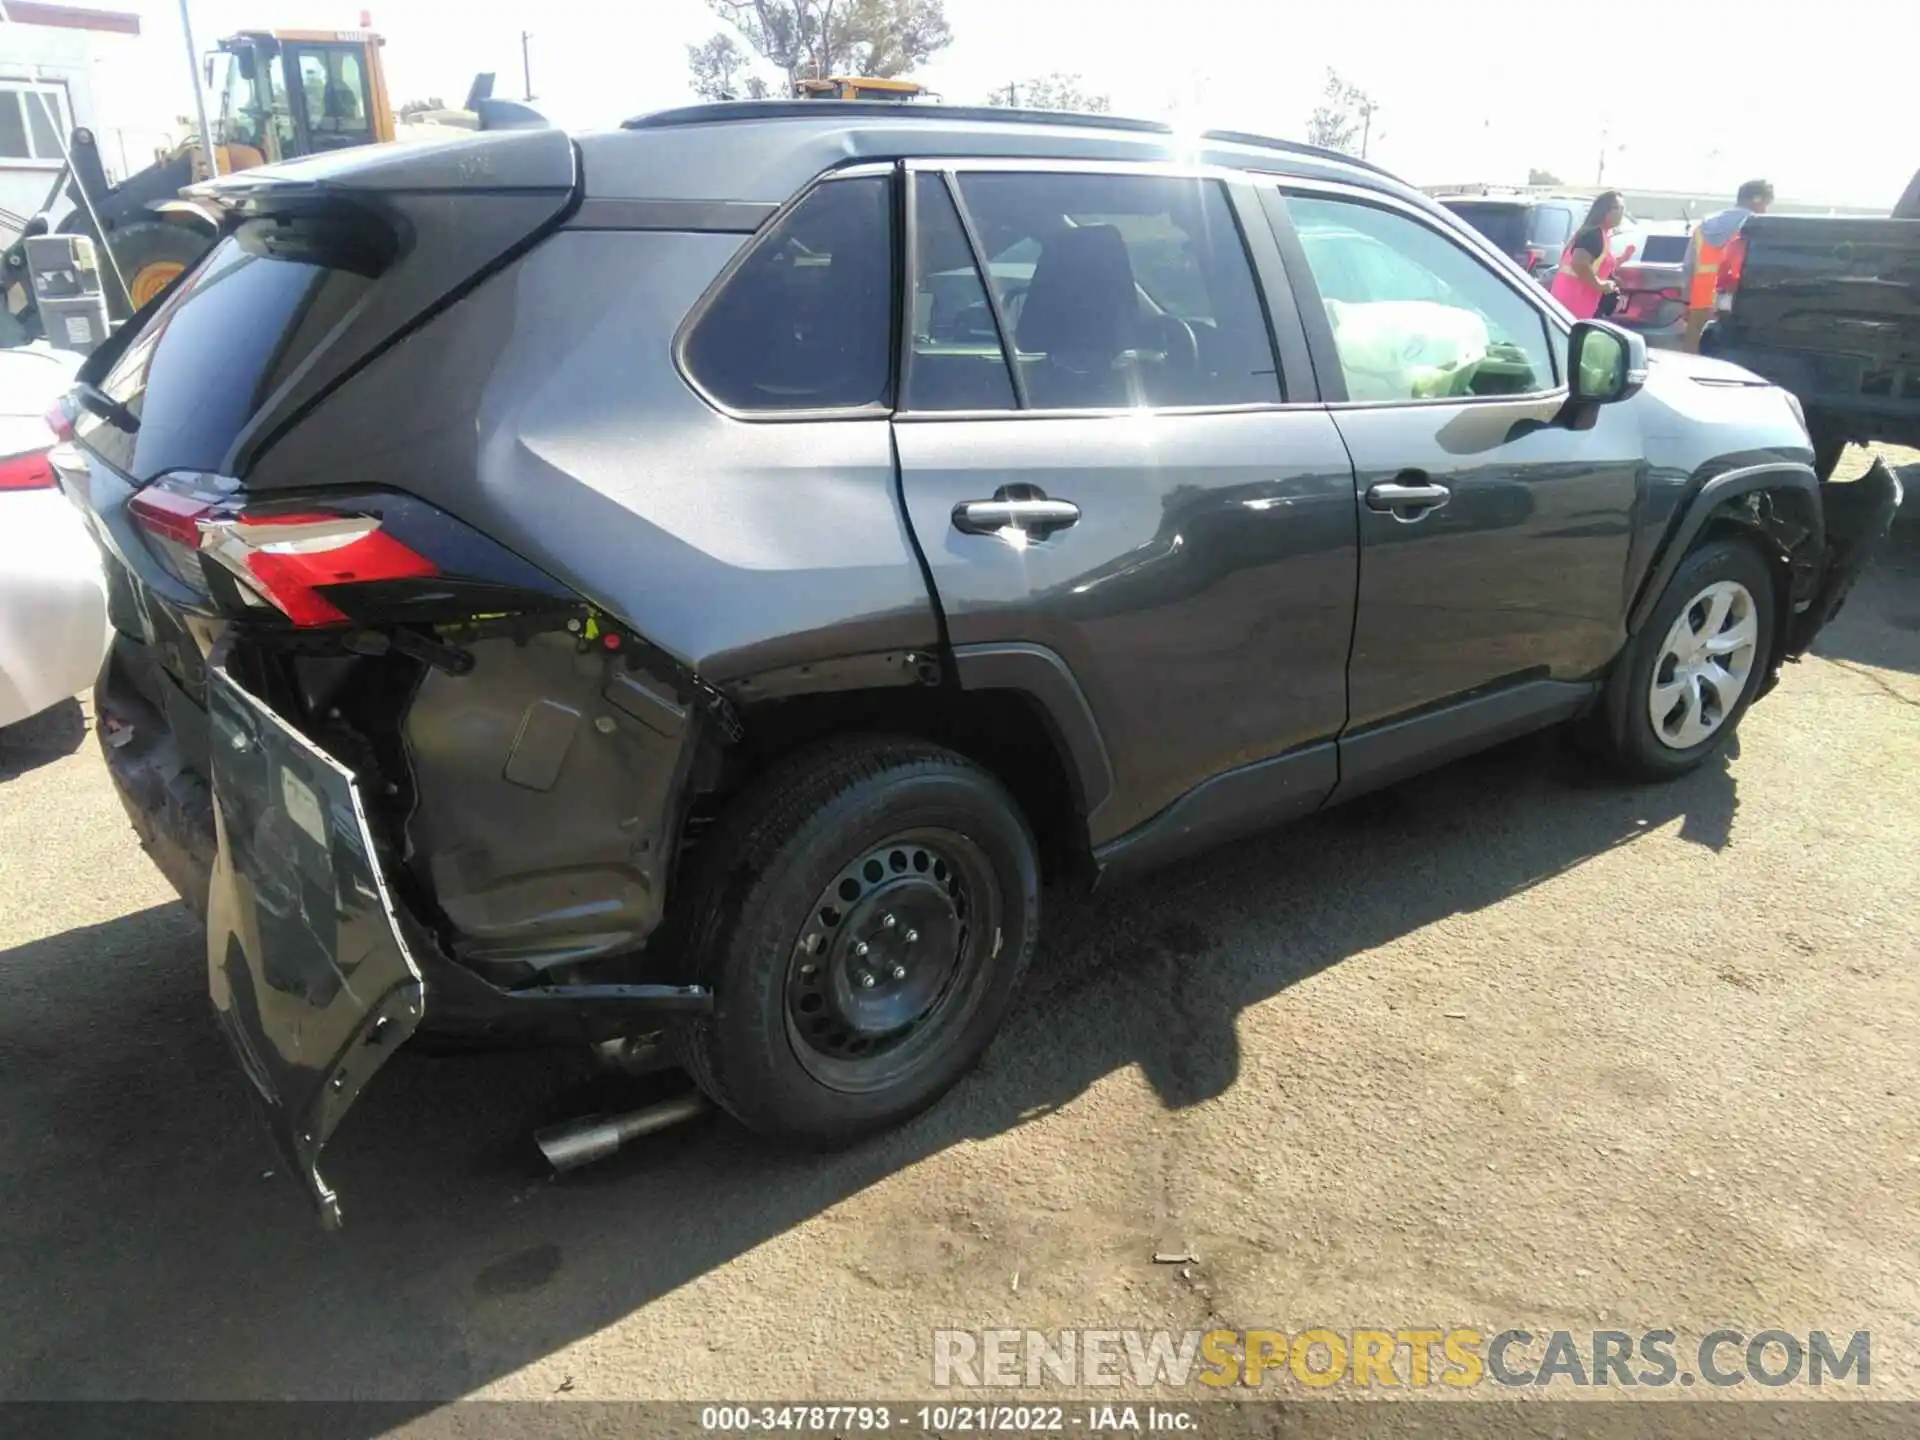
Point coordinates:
[[1710, 240]]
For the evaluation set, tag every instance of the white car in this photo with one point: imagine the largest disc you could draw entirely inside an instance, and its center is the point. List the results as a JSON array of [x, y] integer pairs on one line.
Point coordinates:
[[53, 598]]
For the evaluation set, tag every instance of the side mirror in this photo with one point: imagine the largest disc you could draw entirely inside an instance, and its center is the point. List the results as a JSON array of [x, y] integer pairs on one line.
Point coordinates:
[[1605, 364]]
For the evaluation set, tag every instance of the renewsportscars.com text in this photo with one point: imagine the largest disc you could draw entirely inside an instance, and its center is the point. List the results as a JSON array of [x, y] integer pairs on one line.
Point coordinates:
[[1411, 1358]]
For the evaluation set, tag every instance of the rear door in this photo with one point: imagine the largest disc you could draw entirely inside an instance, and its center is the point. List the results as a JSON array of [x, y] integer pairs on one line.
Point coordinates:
[[1493, 542], [1101, 456]]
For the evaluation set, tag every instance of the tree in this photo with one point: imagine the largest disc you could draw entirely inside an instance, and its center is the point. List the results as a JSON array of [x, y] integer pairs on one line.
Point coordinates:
[[715, 66], [1057, 91], [813, 38], [1537, 176], [1344, 118]]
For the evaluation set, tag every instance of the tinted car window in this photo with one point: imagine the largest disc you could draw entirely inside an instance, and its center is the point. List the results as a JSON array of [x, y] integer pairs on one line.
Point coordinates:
[[1552, 227], [957, 361], [1415, 316], [203, 366], [806, 322], [1504, 223], [1123, 290]]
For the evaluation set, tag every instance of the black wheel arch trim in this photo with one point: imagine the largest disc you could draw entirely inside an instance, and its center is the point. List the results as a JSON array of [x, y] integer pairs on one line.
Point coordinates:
[[1041, 675], [1701, 507]]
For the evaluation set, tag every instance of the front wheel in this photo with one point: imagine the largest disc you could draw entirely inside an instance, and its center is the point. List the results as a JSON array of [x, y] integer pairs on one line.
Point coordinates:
[[1687, 678], [863, 917], [151, 255]]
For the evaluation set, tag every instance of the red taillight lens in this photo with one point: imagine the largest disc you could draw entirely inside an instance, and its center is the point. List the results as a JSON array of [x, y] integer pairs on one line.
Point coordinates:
[[288, 559], [32, 471], [284, 559]]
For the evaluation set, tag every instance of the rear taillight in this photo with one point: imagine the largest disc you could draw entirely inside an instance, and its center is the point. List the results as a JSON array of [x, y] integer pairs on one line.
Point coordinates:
[[1727, 283], [286, 559], [32, 471]]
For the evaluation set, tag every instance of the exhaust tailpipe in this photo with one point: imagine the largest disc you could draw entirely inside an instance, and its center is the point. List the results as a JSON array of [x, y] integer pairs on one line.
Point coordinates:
[[574, 1143]]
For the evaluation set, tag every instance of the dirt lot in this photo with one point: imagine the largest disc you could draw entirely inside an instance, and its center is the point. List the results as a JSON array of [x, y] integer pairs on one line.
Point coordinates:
[[1506, 1046]]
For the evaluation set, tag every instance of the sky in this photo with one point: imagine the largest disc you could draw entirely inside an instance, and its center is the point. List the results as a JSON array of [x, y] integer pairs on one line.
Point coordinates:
[[1466, 90]]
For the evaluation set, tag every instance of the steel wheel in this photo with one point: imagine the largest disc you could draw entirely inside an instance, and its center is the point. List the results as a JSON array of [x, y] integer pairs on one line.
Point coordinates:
[[1704, 665], [890, 961]]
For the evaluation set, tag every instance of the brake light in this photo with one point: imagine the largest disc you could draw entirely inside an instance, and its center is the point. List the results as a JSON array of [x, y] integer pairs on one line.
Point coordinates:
[[1726, 284], [285, 559], [289, 559], [32, 471]]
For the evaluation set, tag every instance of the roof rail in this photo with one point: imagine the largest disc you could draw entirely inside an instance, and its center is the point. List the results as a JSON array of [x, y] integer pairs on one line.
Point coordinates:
[[791, 109], [1295, 147], [892, 109]]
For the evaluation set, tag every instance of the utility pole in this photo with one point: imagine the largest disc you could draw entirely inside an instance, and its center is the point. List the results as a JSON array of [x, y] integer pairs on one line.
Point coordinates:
[[526, 62], [207, 151]]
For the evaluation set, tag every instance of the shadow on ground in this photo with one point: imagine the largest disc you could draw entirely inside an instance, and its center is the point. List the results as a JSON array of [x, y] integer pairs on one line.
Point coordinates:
[[1880, 624], [149, 1254], [41, 739]]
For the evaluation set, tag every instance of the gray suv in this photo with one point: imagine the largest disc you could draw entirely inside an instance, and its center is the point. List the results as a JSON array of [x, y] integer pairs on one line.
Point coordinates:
[[681, 589]]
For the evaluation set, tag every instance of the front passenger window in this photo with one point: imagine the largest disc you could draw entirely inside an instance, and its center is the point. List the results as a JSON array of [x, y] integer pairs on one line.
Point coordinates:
[[1415, 316]]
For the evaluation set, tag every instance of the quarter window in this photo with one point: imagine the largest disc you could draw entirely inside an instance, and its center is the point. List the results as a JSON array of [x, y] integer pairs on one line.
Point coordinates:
[[806, 321], [1123, 291], [1415, 316]]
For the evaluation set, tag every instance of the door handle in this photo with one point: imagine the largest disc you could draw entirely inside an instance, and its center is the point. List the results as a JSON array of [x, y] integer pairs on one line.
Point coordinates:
[[1038, 516], [1408, 502]]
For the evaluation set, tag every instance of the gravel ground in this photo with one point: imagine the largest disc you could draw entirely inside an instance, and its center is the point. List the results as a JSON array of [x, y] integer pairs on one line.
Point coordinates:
[[1505, 1046]]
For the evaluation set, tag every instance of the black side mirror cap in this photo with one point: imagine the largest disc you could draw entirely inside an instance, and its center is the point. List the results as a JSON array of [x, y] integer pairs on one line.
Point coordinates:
[[1606, 364]]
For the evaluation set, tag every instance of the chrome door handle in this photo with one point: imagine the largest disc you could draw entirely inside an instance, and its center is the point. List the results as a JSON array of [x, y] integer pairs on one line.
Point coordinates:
[[989, 517], [1407, 502]]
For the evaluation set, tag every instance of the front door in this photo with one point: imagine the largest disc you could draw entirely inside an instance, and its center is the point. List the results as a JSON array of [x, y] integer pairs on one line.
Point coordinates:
[[1493, 542], [1098, 457]]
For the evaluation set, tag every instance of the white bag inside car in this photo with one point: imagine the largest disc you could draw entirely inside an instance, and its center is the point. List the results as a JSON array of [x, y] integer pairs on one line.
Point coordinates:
[[1400, 349]]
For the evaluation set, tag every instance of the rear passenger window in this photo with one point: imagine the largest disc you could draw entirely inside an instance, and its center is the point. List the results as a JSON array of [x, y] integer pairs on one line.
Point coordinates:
[[957, 361], [1414, 315], [806, 322], [1123, 290]]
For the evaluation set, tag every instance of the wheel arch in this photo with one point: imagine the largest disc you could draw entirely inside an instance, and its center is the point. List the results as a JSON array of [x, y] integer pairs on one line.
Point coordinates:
[[1774, 505], [1776, 502], [1014, 709]]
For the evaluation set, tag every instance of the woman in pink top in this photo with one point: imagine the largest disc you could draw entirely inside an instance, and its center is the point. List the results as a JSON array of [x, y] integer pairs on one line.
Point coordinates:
[[1587, 262]]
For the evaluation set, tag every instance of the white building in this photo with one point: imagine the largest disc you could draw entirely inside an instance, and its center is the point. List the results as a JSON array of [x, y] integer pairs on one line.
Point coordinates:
[[61, 66]]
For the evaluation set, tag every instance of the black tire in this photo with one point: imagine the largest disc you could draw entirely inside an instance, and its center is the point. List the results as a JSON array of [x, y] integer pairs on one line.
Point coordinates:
[[801, 835], [1622, 729], [149, 254]]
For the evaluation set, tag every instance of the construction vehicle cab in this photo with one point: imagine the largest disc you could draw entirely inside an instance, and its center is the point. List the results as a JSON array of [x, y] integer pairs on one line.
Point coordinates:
[[279, 94], [849, 87], [285, 93]]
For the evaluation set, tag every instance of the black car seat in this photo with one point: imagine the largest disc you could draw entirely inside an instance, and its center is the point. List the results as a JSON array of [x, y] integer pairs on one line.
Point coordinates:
[[1082, 313]]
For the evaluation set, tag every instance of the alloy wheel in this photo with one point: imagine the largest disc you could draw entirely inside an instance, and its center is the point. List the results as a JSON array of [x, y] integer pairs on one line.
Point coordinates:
[[1704, 665]]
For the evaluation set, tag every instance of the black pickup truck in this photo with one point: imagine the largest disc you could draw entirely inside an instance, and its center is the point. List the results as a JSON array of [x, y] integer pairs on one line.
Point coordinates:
[[1829, 310]]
